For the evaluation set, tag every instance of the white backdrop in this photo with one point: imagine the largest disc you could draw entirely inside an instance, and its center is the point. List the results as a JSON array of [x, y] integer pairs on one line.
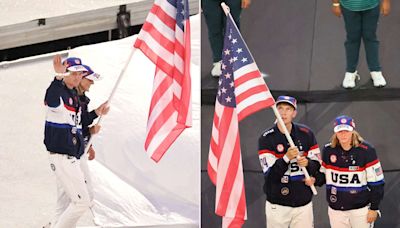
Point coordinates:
[[130, 189]]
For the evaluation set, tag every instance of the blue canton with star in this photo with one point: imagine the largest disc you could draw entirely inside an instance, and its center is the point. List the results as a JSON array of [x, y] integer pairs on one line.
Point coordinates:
[[182, 11], [234, 56]]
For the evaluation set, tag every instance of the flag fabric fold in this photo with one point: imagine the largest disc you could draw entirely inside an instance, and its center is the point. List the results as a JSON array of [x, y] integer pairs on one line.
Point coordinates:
[[165, 40], [241, 92]]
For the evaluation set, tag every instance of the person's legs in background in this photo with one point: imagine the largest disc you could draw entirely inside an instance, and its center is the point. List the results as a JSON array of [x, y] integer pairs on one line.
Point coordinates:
[[215, 20], [369, 26], [353, 25], [213, 14]]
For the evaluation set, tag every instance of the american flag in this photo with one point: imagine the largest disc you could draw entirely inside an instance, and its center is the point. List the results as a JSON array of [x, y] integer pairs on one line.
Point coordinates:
[[165, 40], [241, 92]]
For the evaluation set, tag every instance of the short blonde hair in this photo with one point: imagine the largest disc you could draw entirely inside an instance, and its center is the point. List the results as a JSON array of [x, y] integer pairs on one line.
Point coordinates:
[[356, 139]]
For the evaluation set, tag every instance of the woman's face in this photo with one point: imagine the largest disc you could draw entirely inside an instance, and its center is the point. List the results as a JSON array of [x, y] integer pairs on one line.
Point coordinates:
[[85, 84], [344, 137]]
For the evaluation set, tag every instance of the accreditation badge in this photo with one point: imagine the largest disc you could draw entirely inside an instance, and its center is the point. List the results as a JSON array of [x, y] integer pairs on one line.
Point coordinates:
[[74, 130], [285, 179], [333, 191]]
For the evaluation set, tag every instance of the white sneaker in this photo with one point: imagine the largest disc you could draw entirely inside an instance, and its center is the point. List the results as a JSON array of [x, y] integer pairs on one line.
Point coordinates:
[[216, 70], [378, 79], [349, 80]]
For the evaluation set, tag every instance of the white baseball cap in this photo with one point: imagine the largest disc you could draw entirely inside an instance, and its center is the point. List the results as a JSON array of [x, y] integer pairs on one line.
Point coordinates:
[[90, 74]]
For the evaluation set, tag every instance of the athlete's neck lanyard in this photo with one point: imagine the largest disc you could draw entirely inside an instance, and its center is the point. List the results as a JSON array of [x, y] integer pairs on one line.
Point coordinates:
[[76, 105]]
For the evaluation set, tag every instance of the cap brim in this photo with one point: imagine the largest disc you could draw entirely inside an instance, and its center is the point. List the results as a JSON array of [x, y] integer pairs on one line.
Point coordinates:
[[343, 127], [287, 102], [77, 68], [94, 77]]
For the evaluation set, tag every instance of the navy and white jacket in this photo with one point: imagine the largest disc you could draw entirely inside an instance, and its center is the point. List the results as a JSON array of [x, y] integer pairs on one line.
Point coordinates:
[[284, 183], [87, 117], [63, 128], [353, 178]]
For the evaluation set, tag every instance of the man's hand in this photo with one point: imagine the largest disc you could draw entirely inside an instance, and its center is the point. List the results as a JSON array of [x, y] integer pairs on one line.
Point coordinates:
[[337, 11], [246, 4], [94, 129], [103, 109], [385, 7], [310, 181], [372, 216], [58, 67], [91, 153], [302, 161], [292, 152]]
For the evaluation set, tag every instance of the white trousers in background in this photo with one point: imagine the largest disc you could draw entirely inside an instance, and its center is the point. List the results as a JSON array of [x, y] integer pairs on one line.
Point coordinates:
[[294, 217], [72, 194], [356, 218]]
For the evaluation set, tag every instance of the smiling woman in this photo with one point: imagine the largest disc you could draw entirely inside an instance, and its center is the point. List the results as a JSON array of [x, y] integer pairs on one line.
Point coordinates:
[[353, 176]]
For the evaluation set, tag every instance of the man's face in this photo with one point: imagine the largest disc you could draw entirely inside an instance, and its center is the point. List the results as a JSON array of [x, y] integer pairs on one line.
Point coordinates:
[[74, 78], [85, 84], [287, 112]]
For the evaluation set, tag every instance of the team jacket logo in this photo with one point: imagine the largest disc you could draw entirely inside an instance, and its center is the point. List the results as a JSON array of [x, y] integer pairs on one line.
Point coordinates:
[[333, 158], [285, 191], [344, 178], [333, 199], [280, 147]]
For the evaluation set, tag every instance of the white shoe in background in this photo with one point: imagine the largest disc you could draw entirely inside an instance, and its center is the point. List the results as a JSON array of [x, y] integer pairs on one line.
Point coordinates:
[[349, 80], [216, 70], [378, 79]]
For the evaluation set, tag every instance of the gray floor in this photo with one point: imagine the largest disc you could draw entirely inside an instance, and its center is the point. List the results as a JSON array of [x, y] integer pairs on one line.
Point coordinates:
[[300, 45]]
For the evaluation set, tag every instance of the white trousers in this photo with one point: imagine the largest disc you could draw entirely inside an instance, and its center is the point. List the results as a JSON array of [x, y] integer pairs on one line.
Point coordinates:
[[72, 193], [294, 217], [356, 218]]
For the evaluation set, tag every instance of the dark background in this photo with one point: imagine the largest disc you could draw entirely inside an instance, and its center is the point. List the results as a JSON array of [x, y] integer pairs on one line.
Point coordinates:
[[299, 45]]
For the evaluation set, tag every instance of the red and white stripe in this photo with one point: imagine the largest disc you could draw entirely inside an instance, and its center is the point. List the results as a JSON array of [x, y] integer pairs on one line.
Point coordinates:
[[225, 167], [168, 47], [252, 94]]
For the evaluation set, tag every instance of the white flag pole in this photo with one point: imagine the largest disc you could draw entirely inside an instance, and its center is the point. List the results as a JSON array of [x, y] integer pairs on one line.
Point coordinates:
[[111, 96], [278, 116]]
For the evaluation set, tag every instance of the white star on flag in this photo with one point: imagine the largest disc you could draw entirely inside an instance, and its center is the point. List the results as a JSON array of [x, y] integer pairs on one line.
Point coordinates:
[[227, 52]]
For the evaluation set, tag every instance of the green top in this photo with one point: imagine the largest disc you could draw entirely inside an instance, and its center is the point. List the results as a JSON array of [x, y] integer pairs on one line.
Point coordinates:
[[359, 5]]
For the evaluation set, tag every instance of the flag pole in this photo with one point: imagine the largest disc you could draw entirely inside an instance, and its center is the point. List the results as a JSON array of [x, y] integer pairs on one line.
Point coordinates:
[[277, 114], [111, 96]]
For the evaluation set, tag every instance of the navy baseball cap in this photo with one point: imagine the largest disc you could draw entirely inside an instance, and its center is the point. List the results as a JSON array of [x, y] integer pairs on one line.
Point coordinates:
[[344, 123], [74, 64], [90, 74], [286, 99]]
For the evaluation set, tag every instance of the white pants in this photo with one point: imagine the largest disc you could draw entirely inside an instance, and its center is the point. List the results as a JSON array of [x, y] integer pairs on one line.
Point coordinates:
[[294, 217], [72, 194], [356, 218]]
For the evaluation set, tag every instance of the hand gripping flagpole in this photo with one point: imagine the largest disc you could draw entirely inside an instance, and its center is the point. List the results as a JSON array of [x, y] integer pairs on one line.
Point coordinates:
[[278, 116], [111, 96]]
